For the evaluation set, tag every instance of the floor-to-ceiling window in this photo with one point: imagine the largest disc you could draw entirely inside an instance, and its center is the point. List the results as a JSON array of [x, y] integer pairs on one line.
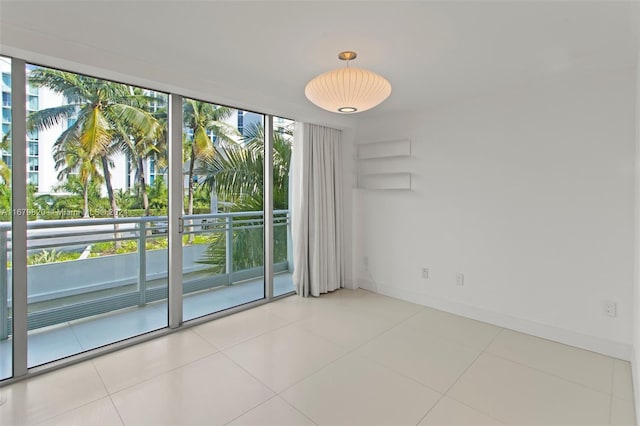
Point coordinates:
[[97, 249], [93, 241], [6, 329], [223, 253]]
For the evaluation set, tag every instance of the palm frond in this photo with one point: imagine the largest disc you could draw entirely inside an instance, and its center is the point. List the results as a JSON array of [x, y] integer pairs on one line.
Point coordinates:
[[202, 145], [68, 84], [5, 172], [95, 136], [135, 119], [49, 117]]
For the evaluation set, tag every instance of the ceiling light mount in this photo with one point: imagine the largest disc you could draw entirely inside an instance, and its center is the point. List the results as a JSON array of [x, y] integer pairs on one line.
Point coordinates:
[[348, 90], [347, 55]]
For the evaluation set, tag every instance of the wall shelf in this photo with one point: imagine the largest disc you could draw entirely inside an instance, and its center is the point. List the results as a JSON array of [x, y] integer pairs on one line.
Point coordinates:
[[385, 181], [388, 149], [388, 156]]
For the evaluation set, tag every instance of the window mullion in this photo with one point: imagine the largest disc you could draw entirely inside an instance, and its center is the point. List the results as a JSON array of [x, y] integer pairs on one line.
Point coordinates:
[[19, 217], [175, 210], [268, 206]]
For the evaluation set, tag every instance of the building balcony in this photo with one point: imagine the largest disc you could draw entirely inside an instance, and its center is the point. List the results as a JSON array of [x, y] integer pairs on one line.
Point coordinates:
[[97, 298]]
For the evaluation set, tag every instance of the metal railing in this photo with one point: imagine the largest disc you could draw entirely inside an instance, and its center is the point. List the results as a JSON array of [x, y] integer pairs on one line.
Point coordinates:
[[86, 299]]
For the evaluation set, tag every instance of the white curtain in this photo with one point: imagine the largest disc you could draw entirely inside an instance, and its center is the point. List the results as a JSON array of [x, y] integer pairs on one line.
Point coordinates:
[[317, 210]]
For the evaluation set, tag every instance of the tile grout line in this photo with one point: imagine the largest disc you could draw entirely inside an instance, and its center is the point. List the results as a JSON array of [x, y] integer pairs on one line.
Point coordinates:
[[303, 378], [384, 331], [400, 373], [457, 341], [547, 373], [298, 410], [446, 393], [70, 410], [86, 403], [289, 322], [115, 407], [295, 323], [352, 351], [217, 351], [164, 373], [264, 402], [276, 393], [347, 353], [443, 394], [256, 379]]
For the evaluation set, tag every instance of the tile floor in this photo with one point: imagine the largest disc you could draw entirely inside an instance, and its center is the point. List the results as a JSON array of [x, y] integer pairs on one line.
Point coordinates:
[[62, 340], [348, 358]]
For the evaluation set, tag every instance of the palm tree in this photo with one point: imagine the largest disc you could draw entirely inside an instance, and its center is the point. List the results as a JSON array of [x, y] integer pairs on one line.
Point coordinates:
[[158, 194], [106, 114], [141, 146], [203, 119], [72, 160], [126, 200], [77, 199], [5, 170], [237, 175]]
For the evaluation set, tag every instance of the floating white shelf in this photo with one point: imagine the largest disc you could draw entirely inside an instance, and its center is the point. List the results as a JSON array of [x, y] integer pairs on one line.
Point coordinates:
[[388, 149], [385, 181], [390, 180]]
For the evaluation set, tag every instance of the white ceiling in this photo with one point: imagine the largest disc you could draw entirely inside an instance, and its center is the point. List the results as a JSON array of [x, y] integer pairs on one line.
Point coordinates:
[[261, 54]]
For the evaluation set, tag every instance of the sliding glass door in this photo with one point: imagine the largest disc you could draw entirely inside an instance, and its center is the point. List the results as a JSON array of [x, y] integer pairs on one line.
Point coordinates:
[[223, 243], [96, 208], [125, 210]]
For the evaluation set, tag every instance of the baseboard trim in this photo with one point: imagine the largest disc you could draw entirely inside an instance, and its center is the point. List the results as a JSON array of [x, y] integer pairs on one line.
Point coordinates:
[[568, 337]]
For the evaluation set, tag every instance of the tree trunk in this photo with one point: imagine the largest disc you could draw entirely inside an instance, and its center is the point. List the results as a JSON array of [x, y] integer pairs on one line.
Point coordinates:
[[213, 203], [143, 187], [85, 199], [190, 194], [112, 199]]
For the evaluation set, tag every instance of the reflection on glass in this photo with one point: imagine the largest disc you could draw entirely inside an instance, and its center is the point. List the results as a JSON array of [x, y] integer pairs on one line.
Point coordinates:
[[6, 329], [223, 254], [282, 249], [96, 239]]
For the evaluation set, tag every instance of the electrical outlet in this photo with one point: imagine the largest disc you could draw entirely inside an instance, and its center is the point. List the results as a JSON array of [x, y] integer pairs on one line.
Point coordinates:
[[460, 278], [611, 308], [365, 261], [425, 273]]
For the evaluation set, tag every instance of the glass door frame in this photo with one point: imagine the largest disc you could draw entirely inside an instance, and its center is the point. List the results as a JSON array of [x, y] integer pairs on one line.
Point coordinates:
[[175, 233], [19, 221]]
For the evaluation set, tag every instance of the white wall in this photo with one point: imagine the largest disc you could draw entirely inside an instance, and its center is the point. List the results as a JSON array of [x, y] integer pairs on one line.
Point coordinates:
[[529, 193]]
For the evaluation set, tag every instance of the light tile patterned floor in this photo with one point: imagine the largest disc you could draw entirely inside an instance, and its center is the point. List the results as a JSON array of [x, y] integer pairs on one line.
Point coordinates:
[[348, 358], [55, 342]]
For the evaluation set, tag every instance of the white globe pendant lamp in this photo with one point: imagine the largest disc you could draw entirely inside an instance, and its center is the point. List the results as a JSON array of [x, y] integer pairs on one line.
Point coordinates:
[[348, 90]]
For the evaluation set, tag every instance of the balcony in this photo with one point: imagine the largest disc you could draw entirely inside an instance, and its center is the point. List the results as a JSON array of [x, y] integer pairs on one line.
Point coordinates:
[[97, 298]]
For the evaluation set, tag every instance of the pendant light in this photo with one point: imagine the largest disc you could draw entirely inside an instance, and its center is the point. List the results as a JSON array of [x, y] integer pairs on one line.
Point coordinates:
[[348, 90]]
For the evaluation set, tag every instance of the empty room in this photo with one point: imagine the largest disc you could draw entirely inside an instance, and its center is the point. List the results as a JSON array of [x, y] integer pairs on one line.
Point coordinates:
[[319, 212]]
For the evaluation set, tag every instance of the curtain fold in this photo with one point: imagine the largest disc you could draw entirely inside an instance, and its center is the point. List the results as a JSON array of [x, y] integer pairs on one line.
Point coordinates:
[[317, 210]]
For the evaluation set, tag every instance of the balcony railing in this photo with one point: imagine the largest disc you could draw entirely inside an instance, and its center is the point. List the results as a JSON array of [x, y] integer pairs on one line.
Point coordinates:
[[68, 290]]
